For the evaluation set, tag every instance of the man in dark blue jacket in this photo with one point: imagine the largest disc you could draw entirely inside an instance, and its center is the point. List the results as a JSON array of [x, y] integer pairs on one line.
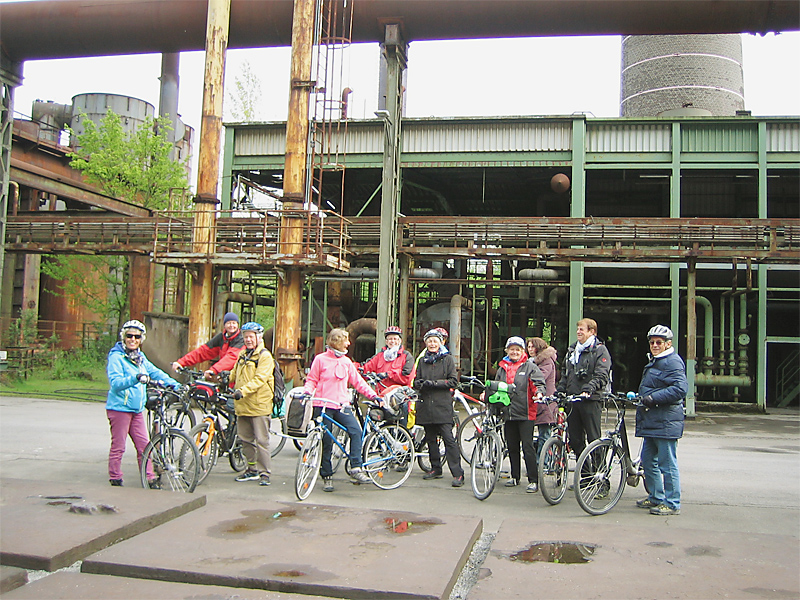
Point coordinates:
[[659, 421]]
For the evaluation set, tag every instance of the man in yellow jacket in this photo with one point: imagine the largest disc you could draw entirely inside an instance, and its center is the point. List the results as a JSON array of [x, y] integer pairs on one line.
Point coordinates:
[[254, 385]]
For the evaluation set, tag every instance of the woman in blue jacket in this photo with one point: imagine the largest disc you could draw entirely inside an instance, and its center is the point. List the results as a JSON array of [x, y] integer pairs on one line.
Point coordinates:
[[129, 371], [659, 421]]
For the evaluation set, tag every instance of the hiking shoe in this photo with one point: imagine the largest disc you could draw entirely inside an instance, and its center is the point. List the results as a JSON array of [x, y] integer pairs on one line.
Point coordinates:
[[115, 482], [359, 476], [532, 488], [248, 476], [432, 475], [458, 481], [511, 482], [646, 503], [263, 479], [154, 484], [664, 511], [327, 484]]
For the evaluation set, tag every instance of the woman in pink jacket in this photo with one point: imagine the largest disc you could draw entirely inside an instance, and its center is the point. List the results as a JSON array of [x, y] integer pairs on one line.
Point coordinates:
[[332, 374]]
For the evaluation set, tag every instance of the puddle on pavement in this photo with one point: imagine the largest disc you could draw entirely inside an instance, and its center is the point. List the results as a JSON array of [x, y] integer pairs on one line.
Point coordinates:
[[556, 552], [395, 525], [704, 551], [292, 573], [252, 521], [659, 544]]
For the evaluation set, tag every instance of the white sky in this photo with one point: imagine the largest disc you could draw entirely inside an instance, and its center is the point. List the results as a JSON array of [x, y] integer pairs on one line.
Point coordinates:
[[500, 77]]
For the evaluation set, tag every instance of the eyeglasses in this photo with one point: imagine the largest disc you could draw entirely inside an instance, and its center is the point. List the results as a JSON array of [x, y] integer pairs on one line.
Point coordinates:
[[657, 342], [133, 335]]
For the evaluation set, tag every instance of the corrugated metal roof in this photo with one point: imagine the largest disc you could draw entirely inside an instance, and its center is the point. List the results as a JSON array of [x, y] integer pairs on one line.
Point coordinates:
[[628, 137], [719, 137], [783, 137]]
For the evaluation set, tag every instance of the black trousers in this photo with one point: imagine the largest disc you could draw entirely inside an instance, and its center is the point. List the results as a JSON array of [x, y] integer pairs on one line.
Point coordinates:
[[583, 424], [521, 432], [432, 432]]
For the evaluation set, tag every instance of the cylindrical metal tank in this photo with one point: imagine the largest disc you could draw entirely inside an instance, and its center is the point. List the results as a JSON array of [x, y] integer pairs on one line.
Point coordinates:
[[699, 74], [95, 106]]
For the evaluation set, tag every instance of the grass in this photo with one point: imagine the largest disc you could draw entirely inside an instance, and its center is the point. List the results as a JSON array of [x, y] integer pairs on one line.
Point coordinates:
[[90, 384]]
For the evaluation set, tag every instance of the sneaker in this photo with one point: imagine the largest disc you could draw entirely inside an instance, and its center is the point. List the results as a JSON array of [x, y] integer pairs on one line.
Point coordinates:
[[263, 479], [115, 482], [511, 482], [327, 484], [154, 484], [646, 503], [248, 476], [432, 475], [532, 488], [458, 481], [359, 476], [664, 511]]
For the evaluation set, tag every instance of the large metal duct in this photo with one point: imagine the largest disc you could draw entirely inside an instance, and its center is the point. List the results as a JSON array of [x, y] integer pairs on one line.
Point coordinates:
[[70, 28], [691, 75]]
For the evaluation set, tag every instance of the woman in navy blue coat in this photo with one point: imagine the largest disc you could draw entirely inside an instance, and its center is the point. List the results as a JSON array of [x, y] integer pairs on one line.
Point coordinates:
[[659, 421]]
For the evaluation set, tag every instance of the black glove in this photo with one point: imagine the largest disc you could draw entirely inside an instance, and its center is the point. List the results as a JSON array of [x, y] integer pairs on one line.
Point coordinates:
[[647, 401], [237, 395], [429, 383], [143, 378]]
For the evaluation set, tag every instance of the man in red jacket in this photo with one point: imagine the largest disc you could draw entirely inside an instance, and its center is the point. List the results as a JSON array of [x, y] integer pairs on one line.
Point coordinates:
[[393, 362], [223, 349]]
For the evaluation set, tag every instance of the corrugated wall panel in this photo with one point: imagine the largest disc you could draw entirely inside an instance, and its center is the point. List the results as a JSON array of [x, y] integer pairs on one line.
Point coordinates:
[[719, 138], [269, 141], [623, 137], [486, 137], [783, 137]]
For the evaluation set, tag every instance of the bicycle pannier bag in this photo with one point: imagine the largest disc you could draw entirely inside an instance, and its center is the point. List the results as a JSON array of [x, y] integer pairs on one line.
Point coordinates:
[[298, 416]]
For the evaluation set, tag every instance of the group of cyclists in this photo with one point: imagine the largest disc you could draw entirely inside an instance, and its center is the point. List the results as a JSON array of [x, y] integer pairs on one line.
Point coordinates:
[[529, 369]]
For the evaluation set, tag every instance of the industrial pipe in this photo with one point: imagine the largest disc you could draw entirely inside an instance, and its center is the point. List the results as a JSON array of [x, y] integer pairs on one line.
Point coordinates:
[[456, 302], [722, 380], [708, 334], [360, 327], [538, 274]]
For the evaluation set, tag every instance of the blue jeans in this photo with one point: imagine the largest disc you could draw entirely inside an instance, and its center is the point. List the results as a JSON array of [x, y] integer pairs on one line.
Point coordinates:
[[346, 419], [660, 463]]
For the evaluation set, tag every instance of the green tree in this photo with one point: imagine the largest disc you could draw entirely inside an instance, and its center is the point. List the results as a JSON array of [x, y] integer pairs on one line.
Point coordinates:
[[134, 167], [246, 94]]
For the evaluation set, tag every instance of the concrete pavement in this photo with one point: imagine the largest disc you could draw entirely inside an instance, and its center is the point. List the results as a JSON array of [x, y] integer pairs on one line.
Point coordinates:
[[741, 492]]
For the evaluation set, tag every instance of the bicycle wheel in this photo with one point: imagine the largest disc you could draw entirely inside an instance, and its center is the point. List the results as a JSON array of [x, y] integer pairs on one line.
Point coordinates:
[[307, 470], [235, 454], [277, 435], [179, 415], [389, 456], [423, 455], [487, 458], [175, 460], [553, 470], [599, 477], [468, 433], [207, 446]]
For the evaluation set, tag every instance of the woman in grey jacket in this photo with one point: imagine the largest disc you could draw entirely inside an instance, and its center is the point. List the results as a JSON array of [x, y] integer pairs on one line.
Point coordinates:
[[660, 422], [528, 382]]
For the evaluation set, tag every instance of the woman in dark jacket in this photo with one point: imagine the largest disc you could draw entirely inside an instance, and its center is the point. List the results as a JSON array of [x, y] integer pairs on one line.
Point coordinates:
[[660, 422], [515, 368], [436, 376]]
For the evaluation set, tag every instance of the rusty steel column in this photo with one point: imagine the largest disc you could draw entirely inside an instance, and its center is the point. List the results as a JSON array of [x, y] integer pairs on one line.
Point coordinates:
[[140, 298], [203, 234], [290, 281]]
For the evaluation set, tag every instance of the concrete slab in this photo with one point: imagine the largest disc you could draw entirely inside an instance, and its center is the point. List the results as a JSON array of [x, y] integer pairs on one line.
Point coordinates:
[[301, 548], [69, 586], [656, 560], [41, 532], [11, 578]]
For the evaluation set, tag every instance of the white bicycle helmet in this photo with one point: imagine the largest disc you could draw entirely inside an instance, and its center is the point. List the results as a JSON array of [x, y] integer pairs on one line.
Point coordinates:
[[133, 324], [660, 331]]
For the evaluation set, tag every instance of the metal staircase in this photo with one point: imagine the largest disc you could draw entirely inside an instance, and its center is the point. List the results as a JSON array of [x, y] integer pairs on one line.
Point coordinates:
[[788, 386]]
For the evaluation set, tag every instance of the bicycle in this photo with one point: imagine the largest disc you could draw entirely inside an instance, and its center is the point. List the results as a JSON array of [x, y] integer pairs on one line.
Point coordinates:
[[470, 428], [388, 450], [489, 448], [216, 434], [174, 457], [177, 411], [606, 465], [554, 456]]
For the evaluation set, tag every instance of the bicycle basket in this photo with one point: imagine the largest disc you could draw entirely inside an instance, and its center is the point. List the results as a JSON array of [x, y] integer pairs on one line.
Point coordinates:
[[153, 396], [377, 414]]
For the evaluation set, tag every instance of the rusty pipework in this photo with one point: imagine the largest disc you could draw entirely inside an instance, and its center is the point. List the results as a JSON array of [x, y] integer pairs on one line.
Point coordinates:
[[202, 291], [290, 283]]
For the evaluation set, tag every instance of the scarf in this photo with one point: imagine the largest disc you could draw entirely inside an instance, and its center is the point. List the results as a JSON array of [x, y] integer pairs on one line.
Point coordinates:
[[664, 354], [511, 368], [432, 357], [135, 356], [576, 355], [389, 354], [337, 353]]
